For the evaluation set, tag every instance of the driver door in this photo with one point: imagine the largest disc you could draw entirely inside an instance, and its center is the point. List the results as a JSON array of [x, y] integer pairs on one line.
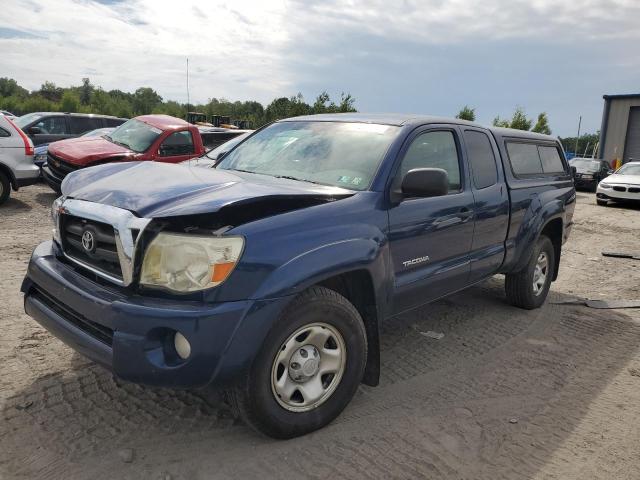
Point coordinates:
[[176, 147], [430, 238]]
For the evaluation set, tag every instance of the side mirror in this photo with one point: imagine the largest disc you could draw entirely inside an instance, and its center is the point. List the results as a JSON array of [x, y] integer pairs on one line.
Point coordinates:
[[34, 131], [425, 182], [574, 170]]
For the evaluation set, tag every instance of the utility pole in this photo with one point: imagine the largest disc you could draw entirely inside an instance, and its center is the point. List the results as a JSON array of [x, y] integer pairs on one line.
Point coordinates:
[[188, 85], [578, 137]]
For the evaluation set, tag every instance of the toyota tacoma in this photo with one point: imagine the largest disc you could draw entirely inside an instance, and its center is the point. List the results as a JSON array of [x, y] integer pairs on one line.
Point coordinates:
[[269, 275]]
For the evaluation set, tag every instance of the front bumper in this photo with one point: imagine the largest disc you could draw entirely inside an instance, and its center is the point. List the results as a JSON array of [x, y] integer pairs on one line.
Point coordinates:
[[51, 179], [589, 183], [619, 192], [132, 335]]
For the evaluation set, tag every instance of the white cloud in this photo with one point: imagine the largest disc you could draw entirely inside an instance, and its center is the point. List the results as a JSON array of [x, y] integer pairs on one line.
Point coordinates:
[[253, 49]]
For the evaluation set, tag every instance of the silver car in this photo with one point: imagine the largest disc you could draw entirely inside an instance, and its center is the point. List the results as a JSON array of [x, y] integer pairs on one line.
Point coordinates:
[[623, 185], [16, 159]]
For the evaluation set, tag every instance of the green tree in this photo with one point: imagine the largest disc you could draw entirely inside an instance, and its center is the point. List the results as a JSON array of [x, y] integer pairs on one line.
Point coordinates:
[[69, 102], [519, 121], [501, 122], [145, 99], [542, 125], [467, 113], [9, 87], [347, 103], [85, 91], [49, 91]]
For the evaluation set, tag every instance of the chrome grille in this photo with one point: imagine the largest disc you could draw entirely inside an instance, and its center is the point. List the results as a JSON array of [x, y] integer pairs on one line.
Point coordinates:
[[102, 253], [100, 238], [59, 167]]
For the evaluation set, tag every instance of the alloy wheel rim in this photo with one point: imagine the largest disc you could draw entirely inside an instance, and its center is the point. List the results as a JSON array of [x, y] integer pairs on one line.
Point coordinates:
[[540, 273], [308, 367]]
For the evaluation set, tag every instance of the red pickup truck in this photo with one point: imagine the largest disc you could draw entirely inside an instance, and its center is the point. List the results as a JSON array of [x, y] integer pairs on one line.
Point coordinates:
[[160, 138]]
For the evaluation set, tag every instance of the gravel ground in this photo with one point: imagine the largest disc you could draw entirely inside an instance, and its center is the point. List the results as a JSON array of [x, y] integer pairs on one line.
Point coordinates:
[[506, 393]]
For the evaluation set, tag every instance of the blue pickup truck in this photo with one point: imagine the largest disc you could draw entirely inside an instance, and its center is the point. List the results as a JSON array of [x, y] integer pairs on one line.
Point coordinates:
[[269, 275]]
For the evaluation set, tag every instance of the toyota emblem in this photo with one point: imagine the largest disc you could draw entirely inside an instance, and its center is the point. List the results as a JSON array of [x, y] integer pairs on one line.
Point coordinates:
[[88, 241]]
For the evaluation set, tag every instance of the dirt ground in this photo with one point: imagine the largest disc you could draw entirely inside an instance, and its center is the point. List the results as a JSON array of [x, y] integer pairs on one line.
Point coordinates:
[[552, 393]]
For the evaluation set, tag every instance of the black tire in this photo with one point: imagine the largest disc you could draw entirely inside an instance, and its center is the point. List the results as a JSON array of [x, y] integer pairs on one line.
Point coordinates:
[[602, 203], [5, 188], [520, 286], [254, 400]]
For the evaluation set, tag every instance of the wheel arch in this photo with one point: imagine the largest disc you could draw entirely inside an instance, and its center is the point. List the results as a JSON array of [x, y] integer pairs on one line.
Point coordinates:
[[9, 173]]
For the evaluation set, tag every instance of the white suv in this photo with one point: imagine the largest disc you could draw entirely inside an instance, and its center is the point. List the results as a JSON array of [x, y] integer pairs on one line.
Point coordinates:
[[16, 159]]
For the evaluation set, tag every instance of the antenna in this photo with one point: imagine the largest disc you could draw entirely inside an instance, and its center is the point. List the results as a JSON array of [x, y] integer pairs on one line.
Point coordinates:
[[188, 85]]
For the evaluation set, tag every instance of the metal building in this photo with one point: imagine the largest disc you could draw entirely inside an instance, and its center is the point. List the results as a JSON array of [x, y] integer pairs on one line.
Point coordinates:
[[620, 131]]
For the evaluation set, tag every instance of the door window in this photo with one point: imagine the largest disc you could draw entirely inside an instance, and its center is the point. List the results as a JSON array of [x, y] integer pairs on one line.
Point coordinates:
[[4, 133], [52, 126], [178, 143], [84, 124], [482, 159], [434, 150]]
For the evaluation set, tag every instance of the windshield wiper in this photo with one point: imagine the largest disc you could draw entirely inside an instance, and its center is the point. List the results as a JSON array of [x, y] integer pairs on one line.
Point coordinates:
[[122, 144], [287, 177]]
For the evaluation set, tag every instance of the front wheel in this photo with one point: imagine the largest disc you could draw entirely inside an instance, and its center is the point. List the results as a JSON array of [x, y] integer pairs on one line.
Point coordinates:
[[529, 288], [5, 188], [308, 368]]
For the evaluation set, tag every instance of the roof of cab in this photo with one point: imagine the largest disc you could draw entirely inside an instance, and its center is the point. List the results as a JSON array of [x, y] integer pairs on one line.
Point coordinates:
[[396, 119], [163, 122], [401, 119]]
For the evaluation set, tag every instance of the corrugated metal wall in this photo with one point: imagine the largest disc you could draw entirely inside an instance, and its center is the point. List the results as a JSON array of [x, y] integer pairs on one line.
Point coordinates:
[[617, 127]]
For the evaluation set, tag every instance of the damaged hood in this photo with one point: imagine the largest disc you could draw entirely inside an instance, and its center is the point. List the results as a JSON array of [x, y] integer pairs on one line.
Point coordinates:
[[155, 190]]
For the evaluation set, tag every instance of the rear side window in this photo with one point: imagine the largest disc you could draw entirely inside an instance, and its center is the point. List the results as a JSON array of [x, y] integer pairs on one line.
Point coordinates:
[[530, 159], [524, 158], [482, 159], [551, 162], [84, 124], [4, 133]]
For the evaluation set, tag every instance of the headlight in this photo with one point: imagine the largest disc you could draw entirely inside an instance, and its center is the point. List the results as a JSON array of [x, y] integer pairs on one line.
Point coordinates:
[[55, 215], [604, 185], [187, 263]]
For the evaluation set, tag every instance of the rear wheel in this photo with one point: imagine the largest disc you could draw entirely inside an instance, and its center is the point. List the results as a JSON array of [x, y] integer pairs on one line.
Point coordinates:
[[529, 288], [308, 368], [5, 188]]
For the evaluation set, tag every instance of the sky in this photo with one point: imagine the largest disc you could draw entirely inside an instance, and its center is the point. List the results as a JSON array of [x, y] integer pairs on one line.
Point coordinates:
[[423, 56]]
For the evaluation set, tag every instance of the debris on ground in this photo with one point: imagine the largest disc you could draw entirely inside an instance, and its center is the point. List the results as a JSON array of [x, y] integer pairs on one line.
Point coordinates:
[[126, 455], [633, 256], [513, 420], [24, 406], [432, 334], [601, 304]]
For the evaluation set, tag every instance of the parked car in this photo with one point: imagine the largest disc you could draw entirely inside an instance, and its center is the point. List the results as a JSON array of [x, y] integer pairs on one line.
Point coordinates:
[[270, 274], [589, 172], [210, 158], [40, 157], [16, 159], [622, 185], [47, 127], [7, 113], [150, 137]]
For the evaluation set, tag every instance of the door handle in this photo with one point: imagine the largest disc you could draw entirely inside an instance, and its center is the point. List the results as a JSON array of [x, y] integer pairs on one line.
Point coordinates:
[[460, 217]]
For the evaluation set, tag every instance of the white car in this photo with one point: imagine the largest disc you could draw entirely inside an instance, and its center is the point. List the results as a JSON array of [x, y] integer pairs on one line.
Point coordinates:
[[16, 159], [624, 184]]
